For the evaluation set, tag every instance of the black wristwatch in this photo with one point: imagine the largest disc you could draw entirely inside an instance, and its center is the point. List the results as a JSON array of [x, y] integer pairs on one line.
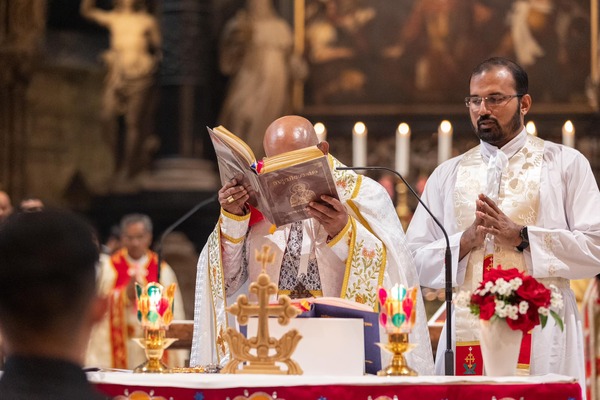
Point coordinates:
[[524, 239]]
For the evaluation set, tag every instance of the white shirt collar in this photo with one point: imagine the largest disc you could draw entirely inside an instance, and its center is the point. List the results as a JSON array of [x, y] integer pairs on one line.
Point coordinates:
[[143, 260], [510, 148]]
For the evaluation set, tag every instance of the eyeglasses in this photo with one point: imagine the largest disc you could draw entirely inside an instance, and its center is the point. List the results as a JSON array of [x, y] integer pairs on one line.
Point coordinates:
[[492, 101]]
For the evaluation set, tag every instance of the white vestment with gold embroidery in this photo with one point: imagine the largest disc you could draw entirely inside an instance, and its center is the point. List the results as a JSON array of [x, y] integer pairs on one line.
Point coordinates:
[[563, 227], [369, 252]]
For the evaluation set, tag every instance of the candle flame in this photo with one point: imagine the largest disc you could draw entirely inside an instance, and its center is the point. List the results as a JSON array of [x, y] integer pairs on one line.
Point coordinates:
[[320, 128], [404, 129], [531, 129], [360, 128], [568, 127], [445, 127], [321, 131]]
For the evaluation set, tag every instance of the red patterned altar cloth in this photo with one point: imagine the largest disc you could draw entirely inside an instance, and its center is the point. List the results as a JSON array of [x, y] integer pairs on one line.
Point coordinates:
[[129, 386]]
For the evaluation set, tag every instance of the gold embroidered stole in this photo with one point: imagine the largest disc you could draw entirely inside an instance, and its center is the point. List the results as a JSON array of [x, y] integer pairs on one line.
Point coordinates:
[[216, 284], [518, 198], [367, 258]]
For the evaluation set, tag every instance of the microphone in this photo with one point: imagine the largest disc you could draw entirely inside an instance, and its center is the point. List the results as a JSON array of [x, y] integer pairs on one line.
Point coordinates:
[[449, 355], [175, 224]]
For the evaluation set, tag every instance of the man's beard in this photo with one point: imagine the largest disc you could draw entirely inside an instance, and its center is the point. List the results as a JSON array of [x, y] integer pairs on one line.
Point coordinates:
[[498, 134]]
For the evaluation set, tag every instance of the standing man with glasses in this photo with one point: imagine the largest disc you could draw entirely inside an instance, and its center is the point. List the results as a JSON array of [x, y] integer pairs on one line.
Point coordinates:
[[517, 201]]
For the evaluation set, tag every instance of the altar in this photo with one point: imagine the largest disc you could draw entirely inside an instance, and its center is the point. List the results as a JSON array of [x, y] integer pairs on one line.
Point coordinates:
[[182, 386]]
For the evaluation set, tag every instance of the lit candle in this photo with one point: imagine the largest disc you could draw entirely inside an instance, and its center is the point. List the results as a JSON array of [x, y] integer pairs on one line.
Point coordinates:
[[403, 149], [321, 131], [531, 129], [568, 134], [444, 141], [359, 145]]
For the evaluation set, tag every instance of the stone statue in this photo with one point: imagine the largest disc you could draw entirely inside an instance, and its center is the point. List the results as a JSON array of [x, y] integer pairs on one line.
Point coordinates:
[[132, 62], [256, 51]]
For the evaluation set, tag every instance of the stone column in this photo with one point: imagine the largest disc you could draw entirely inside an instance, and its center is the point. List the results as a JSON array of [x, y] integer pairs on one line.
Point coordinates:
[[22, 27], [185, 98]]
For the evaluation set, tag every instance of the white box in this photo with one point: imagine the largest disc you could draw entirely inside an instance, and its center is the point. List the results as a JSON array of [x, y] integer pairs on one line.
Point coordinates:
[[329, 346]]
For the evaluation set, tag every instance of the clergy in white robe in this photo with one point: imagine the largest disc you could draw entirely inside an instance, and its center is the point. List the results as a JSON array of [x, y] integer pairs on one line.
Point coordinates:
[[368, 251], [546, 187], [111, 344]]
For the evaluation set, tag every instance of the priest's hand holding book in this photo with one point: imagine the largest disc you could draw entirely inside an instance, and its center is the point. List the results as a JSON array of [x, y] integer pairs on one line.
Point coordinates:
[[233, 198], [331, 214]]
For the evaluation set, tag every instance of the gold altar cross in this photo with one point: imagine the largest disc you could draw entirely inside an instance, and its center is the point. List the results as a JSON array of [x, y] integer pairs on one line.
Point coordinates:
[[265, 256], [263, 288], [240, 346]]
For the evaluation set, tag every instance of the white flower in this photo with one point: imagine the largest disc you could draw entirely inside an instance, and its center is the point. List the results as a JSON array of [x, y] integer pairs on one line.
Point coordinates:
[[503, 288], [513, 312], [463, 298], [556, 300], [544, 311], [488, 287], [516, 283], [500, 309], [523, 307]]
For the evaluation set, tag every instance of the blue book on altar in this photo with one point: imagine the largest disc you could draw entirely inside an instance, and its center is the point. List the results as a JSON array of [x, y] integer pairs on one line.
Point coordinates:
[[324, 308]]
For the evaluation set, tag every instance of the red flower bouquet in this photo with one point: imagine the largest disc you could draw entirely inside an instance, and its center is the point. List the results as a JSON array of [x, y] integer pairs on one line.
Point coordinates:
[[511, 295]]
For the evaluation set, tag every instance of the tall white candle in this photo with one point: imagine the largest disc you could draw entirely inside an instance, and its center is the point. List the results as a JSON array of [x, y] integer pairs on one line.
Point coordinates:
[[403, 149], [530, 128], [321, 131], [444, 141], [568, 134], [359, 145]]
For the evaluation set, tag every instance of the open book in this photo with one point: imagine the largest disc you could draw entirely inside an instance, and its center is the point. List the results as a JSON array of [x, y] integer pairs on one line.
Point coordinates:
[[281, 186]]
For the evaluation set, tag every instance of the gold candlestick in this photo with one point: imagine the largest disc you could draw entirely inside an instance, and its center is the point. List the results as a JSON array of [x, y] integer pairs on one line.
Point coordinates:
[[154, 344], [398, 344]]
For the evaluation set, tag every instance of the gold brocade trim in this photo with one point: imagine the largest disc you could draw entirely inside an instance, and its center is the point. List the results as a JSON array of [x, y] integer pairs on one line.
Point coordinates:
[[287, 292], [235, 217], [348, 260], [523, 366], [341, 234], [217, 289], [468, 343], [363, 273], [232, 240], [383, 267], [346, 182], [357, 186]]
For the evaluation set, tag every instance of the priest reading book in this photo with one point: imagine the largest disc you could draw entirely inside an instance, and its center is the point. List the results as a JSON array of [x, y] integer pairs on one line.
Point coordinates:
[[349, 243]]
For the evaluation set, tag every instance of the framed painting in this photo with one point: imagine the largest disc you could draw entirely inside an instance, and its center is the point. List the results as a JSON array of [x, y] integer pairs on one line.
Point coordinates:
[[411, 53]]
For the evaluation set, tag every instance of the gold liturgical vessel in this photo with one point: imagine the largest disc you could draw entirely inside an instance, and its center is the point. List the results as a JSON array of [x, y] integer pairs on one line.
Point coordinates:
[[397, 345], [260, 354], [155, 312], [397, 314]]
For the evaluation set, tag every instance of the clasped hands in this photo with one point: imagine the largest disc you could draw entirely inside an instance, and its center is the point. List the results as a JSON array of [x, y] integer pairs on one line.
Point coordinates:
[[333, 215], [489, 219]]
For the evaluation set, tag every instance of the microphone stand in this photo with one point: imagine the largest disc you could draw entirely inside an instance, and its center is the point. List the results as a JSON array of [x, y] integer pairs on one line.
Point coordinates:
[[449, 354], [176, 224]]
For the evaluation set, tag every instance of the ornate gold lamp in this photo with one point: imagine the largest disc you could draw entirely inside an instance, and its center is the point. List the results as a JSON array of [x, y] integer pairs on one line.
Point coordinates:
[[397, 315], [155, 313]]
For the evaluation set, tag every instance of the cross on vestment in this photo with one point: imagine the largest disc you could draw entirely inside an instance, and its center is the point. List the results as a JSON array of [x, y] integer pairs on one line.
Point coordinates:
[[470, 358]]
